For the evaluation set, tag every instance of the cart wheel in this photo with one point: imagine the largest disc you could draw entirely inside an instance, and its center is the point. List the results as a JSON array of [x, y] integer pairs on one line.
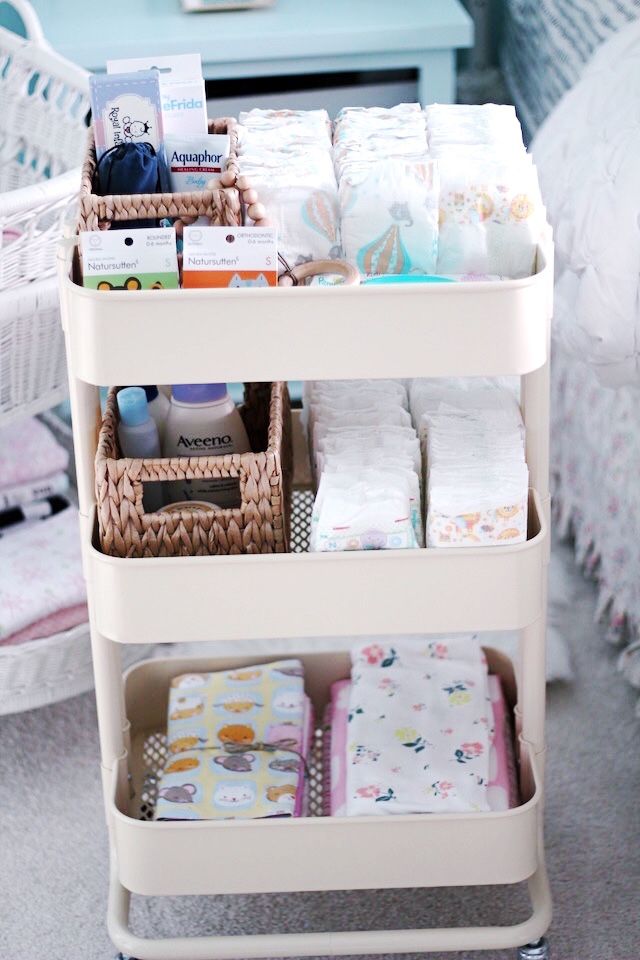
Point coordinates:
[[538, 950]]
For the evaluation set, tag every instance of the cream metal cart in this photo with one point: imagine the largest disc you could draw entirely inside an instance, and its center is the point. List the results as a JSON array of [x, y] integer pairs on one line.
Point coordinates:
[[191, 336]]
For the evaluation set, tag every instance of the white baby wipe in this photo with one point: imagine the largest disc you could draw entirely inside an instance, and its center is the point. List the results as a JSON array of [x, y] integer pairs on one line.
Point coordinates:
[[420, 728]]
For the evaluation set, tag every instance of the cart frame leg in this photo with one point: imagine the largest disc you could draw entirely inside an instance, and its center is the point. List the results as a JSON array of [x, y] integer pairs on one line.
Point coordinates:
[[335, 944]]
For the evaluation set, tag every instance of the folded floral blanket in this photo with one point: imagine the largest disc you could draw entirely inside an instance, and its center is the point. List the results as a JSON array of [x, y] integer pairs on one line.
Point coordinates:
[[420, 728], [502, 790]]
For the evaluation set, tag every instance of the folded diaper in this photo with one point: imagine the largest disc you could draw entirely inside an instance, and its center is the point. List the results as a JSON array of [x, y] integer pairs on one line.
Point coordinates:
[[388, 190], [420, 728], [367, 442], [491, 212], [366, 459], [472, 438], [389, 215], [238, 744], [288, 125], [287, 156], [473, 125], [363, 509]]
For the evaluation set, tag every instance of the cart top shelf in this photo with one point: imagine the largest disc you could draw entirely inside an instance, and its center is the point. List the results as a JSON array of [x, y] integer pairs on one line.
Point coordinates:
[[199, 336]]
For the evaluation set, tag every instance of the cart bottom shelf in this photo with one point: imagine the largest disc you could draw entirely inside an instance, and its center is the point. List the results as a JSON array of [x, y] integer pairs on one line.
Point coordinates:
[[307, 853]]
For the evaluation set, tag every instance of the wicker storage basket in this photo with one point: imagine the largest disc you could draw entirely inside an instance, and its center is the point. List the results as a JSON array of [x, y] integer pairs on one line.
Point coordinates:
[[44, 101], [260, 525], [222, 206]]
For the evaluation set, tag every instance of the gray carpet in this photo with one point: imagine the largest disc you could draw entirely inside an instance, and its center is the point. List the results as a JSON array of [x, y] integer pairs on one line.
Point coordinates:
[[53, 880]]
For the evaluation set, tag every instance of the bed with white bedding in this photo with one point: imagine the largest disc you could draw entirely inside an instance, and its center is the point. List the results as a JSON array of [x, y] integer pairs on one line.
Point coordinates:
[[546, 43], [588, 155]]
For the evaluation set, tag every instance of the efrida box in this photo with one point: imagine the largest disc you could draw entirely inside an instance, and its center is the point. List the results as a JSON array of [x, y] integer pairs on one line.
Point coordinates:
[[230, 257], [141, 259]]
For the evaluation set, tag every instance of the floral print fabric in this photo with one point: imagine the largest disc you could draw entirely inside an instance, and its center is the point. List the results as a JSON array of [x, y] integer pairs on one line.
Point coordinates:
[[420, 728]]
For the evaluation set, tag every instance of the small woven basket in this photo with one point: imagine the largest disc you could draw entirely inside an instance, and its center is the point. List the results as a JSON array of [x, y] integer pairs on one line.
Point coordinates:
[[222, 206], [259, 525]]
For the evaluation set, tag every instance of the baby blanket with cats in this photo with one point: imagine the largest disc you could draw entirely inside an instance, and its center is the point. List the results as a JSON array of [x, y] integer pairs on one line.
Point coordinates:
[[237, 741]]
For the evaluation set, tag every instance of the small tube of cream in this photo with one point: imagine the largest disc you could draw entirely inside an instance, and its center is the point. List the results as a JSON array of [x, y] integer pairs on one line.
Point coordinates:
[[193, 161]]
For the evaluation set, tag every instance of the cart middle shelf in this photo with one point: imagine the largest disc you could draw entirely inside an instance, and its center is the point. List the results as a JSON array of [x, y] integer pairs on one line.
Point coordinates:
[[319, 594]]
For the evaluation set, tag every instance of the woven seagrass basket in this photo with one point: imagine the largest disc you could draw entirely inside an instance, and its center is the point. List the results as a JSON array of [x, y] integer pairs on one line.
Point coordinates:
[[222, 206], [259, 525]]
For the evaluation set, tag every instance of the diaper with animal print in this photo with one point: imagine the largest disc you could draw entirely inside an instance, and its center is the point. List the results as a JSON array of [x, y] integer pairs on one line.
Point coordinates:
[[389, 213], [237, 744]]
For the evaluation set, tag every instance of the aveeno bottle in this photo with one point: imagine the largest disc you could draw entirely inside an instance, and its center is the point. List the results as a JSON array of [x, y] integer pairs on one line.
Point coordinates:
[[203, 421]]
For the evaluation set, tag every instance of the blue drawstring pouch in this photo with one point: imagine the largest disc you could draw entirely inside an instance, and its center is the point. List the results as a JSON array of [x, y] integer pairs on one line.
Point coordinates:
[[125, 169]]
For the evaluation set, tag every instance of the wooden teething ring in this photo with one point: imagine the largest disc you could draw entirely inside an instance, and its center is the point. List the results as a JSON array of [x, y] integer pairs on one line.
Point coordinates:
[[315, 268]]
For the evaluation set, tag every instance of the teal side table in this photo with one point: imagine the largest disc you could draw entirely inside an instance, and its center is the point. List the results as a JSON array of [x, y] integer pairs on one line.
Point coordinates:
[[292, 37]]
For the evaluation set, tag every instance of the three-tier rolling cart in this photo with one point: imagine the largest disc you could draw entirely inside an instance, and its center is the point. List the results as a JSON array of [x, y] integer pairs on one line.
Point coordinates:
[[191, 336]]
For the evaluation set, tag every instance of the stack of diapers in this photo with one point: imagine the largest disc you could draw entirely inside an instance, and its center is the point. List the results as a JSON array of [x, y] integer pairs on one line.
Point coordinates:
[[366, 460], [238, 744], [388, 190], [442, 743], [477, 478], [287, 155], [491, 211], [449, 190]]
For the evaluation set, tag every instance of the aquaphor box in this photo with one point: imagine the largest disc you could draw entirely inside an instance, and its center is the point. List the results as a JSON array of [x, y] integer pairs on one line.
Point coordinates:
[[140, 259], [230, 257], [184, 103]]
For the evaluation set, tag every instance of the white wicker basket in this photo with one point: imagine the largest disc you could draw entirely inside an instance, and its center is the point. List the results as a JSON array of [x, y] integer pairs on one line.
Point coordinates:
[[44, 102], [46, 671]]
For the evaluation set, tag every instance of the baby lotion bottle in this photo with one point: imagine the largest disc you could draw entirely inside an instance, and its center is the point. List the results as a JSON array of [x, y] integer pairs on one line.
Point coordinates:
[[203, 421], [158, 406], [138, 436]]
